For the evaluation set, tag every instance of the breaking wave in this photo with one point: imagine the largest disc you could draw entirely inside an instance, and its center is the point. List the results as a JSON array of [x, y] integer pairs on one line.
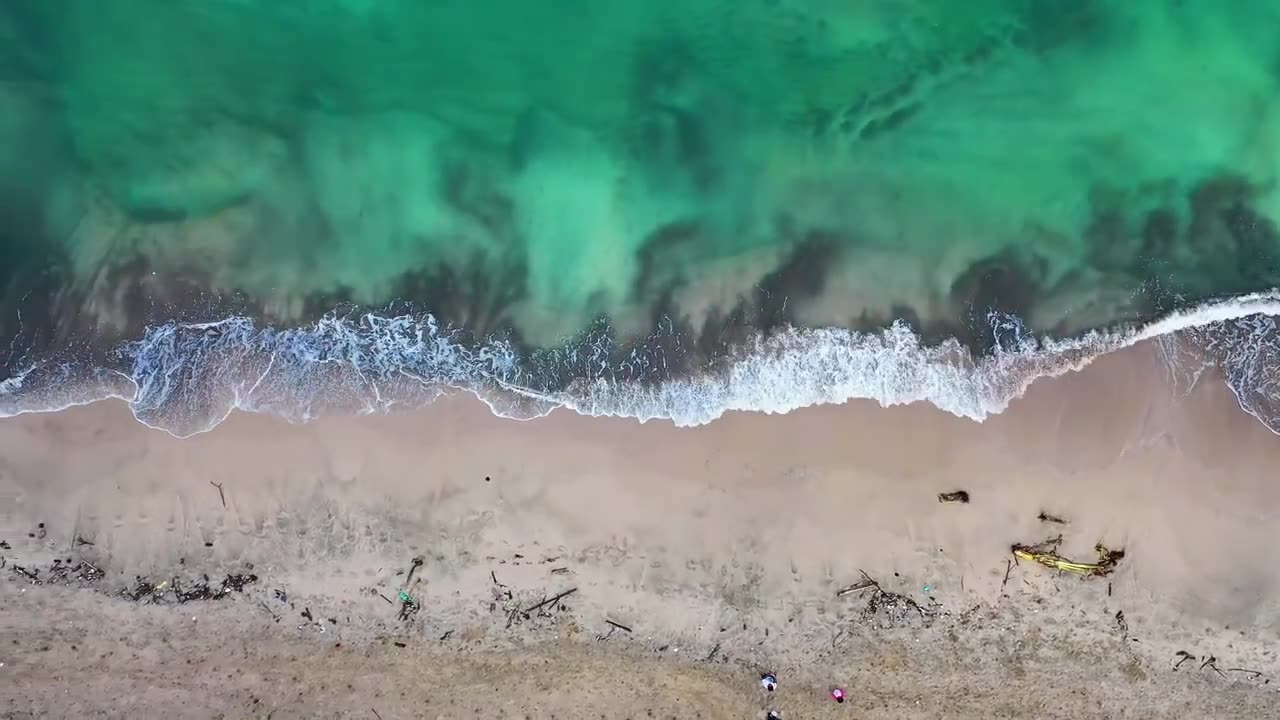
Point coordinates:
[[185, 378]]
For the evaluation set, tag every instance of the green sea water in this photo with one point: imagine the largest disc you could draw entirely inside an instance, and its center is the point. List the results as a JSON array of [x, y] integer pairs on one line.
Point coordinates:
[[535, 165]]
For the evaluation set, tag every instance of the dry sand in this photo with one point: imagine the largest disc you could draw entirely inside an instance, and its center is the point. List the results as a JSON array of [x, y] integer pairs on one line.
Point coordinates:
[[721, 548]]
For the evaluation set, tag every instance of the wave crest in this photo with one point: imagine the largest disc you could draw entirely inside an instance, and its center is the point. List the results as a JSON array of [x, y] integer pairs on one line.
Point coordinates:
[[185, 378]]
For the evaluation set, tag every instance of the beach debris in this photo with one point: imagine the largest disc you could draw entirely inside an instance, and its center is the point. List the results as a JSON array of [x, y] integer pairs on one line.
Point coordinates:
[[837, 694], [887, 609], [613, 627], [773, 715], [768, 681], [144, 590], [714, 652], [958, 496], [4, 545], [1046, 553], [274, 616], [408, 607], [81, 541], [1046, 517], [413, 567], [863, 584], [1008, 568], [1122, 625], [1212, 664], [551, 601], [221, 496]]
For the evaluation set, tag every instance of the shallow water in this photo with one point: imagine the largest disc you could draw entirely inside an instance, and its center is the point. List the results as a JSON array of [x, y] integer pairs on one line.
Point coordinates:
[[662, 209]]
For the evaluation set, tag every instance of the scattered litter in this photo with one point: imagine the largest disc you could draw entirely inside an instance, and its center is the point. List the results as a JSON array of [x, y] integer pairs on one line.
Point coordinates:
[[768, 682], [889, 609], [144, 590], [408, 607], [959, 496], [928, 588], [1046, 553]]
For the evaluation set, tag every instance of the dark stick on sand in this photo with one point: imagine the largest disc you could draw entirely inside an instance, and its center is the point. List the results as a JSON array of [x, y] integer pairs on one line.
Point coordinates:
[[863, 584], [959, 496], [417, 562], [1008, 568], [620, 626], [1185, 656], [375, 713], [1046, 517], [1212, 664], [714, 651], [273, 615], [221, 496], [550, 601], [494, 577]]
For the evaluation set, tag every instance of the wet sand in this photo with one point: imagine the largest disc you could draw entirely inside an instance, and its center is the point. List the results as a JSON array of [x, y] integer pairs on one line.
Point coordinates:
[[720, 548]]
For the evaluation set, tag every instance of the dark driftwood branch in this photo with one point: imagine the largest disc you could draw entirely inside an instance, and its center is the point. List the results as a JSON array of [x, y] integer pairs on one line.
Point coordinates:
[[553, 600]]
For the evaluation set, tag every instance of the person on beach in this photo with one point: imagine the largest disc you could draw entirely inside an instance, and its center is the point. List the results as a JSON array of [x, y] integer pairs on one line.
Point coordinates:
[[768, 681]]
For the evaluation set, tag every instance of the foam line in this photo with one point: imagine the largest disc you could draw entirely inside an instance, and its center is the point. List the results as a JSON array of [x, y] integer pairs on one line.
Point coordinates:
[[187, 378]]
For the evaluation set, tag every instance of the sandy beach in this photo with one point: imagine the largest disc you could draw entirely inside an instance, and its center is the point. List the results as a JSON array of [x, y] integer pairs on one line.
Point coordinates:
[[400, 566]]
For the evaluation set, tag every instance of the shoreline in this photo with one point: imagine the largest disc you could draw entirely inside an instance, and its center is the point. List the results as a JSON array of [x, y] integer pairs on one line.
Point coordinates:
[[186, 379], [733, 536]]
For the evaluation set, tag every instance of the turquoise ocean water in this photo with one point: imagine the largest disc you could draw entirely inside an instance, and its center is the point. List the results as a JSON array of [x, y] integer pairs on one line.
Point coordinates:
[[661, 209]]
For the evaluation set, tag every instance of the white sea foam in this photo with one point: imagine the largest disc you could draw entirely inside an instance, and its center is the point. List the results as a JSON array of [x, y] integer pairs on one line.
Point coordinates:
[[187, 378]]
